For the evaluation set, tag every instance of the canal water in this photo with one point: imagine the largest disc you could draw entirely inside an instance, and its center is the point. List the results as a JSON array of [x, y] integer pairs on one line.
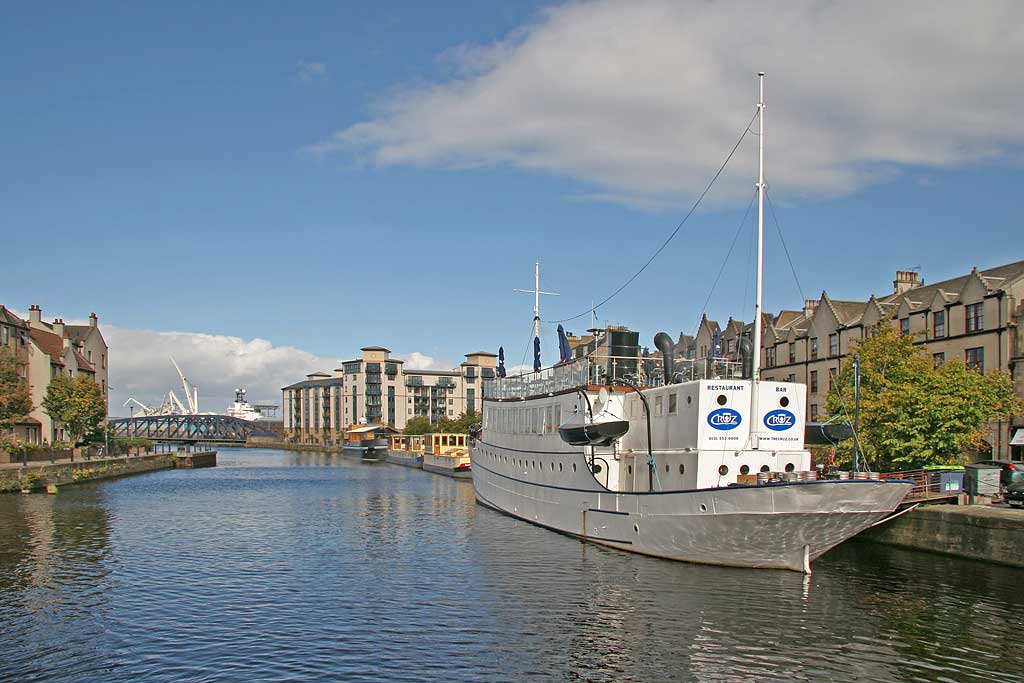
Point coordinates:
[[283, 566]]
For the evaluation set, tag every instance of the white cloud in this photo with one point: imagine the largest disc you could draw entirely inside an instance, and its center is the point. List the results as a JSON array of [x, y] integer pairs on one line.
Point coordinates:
[[642, 100], [140, 367], [307, 72], [421, 361]]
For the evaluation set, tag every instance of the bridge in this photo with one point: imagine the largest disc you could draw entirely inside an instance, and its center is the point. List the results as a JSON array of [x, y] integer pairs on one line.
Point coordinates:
[[187, 428]]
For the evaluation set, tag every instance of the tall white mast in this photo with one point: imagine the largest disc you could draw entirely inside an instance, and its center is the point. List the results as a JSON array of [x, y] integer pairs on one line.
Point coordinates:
[[756, 351], [536, 291]]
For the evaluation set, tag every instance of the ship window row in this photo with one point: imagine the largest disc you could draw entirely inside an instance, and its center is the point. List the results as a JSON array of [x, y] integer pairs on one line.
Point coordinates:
[[526, 464], [523, 420]]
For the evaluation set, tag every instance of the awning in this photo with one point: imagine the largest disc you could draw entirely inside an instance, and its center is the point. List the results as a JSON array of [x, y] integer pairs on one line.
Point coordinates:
[[1018, 437]]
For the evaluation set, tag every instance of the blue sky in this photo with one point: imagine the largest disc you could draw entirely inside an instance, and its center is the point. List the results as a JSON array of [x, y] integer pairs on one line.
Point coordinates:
[[331, 175]]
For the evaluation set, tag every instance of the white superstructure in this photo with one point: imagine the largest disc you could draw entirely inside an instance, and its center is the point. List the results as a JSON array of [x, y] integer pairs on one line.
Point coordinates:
[[710, 470]]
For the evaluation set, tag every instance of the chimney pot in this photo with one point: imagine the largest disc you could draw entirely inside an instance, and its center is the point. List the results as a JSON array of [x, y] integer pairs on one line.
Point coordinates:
[[35, 315]]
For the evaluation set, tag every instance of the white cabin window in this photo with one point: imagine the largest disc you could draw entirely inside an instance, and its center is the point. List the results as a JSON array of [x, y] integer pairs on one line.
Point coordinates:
[[673, 406], [658, 406]]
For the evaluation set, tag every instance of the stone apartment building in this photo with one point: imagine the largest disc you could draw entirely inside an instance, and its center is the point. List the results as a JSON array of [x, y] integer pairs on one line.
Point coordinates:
[[975, 318], [48, 350], [378, 389]]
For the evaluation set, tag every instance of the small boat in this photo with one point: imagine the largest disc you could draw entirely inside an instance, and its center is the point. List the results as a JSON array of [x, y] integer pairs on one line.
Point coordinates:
[[368, 442], [407, 450], [448, 454], [585, 428]]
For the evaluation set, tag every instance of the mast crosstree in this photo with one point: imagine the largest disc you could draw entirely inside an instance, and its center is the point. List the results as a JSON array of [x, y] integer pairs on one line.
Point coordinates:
[[536, 291]]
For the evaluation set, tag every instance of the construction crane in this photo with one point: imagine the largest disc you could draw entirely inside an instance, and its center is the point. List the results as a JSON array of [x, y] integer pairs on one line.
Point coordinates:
[[191, 392]]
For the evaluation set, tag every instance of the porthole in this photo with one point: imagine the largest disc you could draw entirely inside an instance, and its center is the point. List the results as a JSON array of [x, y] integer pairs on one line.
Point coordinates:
[[631, 469], [790, 467], [666, 468], [703, 507], [744, 469], [784, 401], [595, 468], [574, 467], [559, 467], [689, 400], [722, 400], [765, 468], [723, 470], [636, 529], [682, 468]]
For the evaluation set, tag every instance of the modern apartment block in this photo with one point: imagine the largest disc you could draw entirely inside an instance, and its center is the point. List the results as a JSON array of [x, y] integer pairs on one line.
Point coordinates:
[[48, 350], [378, 389]]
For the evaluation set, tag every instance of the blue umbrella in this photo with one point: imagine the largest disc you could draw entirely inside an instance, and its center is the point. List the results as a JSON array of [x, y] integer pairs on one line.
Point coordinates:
[[501, 361], [564, 352], [536, 354]]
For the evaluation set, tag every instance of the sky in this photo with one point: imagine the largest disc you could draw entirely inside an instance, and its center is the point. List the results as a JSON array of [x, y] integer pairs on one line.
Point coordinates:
[[260, 189]]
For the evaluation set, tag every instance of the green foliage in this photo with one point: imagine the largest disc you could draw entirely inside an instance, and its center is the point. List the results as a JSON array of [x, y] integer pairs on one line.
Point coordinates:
[[419, 425], [15, 400], [913, 414], [460, 425], [77, 404]]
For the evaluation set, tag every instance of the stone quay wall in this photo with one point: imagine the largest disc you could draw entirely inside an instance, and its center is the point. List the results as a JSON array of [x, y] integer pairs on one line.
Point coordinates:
[[38, 476], [977, 532]]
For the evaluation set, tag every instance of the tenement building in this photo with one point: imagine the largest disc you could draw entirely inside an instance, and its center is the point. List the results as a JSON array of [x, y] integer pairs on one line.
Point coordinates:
[[379, 389], [45, 350], [975, 318]]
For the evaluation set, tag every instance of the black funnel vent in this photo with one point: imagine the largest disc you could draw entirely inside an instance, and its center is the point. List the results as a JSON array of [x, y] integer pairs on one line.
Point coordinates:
[[665, 345]]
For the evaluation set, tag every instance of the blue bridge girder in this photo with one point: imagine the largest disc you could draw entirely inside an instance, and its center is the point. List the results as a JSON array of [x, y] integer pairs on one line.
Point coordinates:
[[187, 428]]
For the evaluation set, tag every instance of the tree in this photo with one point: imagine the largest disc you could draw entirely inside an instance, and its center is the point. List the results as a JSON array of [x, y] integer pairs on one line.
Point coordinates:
[[913, 413], [419, 425], [77, 404], [461, 424], [15, 400]]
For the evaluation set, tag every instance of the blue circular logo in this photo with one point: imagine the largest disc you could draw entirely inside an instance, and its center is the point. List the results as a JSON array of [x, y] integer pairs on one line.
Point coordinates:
[[724, 419], [779, 420]]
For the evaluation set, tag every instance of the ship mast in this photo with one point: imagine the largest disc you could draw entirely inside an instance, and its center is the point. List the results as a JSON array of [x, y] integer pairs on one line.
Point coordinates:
[[756, 351], [536, 291]]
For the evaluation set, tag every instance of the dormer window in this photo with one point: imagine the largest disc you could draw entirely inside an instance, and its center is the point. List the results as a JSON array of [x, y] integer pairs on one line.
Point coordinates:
[[904, 325], [939, 324]]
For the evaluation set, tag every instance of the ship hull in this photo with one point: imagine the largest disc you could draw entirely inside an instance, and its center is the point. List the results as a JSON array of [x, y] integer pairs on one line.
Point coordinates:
[[462, 473], [366, 453], [401, 458], [778, 526]]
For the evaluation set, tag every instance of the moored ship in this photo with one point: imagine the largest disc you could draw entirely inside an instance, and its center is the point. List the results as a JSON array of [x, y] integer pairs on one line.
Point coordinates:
[[448, 454], [368, 442], [706, 464], [406, 450]]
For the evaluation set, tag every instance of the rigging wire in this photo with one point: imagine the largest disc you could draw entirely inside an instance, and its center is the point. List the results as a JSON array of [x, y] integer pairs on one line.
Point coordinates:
[[735, 238], [771, 208], [664, 244]]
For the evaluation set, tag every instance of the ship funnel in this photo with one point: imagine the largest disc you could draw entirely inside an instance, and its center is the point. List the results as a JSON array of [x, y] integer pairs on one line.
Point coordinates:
[[665, 345]]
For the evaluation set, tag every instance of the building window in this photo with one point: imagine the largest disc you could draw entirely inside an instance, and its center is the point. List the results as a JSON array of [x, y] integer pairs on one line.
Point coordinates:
[[975, 316], [904, 325], [833, 344], [792, 352], [5, 335], [814, 411], [769, 357], [792, 377], [938, 358], [814, 381], [939, 323], [974, 359], [814, 347]]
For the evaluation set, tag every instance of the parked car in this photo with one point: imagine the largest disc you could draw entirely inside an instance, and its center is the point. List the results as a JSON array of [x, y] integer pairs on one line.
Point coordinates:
[[1015, 494], [1013, 471]]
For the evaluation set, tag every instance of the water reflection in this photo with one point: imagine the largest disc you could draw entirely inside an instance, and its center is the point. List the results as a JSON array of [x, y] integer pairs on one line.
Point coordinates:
[[311, 566]]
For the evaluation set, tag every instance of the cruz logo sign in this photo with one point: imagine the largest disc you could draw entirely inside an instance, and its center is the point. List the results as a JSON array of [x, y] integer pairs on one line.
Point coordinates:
[[724, 418], [779, 420]]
